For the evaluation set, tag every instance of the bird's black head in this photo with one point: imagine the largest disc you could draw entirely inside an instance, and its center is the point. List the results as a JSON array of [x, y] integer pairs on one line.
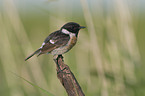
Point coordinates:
[[72, 27]]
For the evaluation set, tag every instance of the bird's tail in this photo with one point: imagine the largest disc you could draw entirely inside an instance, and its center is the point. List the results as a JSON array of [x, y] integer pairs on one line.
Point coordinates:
[[36, 52]]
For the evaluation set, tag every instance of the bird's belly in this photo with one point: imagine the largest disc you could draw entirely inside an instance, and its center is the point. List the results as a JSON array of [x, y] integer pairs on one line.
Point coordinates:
[[65, 48]]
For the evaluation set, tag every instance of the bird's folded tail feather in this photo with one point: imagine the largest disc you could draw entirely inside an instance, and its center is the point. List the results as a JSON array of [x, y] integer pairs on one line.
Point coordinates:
[[36, 52]]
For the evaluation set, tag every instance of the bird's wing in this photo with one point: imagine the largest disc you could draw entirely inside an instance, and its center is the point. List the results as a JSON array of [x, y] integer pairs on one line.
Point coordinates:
[[54, 40]]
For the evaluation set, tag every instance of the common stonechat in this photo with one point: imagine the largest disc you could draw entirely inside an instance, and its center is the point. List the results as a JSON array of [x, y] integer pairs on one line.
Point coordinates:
[[60, 41]]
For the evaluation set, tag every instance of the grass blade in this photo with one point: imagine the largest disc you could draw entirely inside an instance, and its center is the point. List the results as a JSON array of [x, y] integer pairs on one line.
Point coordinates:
[[36, 86]]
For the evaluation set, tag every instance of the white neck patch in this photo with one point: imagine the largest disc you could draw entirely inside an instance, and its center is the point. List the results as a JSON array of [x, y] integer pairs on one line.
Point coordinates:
[[65, 31]]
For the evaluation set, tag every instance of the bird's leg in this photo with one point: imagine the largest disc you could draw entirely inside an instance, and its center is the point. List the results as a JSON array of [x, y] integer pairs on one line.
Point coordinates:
[[60, 56], [60, 65], [55, 58], [58, 62]]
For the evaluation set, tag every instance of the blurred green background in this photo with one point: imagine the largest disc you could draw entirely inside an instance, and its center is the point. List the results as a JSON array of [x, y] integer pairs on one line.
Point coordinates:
[[108, 59]]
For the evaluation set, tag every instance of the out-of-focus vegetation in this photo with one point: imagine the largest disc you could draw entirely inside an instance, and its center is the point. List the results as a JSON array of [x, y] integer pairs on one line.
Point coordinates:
[[108, 59]]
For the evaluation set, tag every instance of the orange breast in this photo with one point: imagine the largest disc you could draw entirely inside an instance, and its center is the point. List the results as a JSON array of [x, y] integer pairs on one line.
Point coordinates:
[[72, 42]]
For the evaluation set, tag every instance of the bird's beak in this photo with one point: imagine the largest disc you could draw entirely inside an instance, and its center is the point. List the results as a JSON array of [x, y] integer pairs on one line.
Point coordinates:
[[81, 27]]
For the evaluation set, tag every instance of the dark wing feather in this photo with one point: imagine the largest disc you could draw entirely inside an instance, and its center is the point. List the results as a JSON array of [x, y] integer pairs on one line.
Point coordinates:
[[59, 38], [52, 35]]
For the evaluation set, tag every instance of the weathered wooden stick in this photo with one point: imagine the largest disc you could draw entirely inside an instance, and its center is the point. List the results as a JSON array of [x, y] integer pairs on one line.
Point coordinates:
[[67, 78]]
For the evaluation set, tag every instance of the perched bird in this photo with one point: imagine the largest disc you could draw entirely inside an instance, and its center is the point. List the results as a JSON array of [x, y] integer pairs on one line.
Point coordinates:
[[60, 41]]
